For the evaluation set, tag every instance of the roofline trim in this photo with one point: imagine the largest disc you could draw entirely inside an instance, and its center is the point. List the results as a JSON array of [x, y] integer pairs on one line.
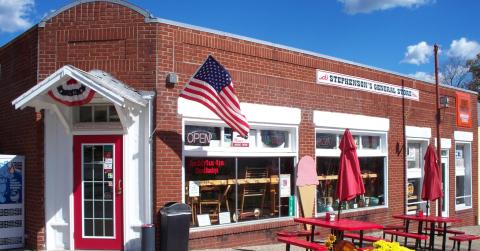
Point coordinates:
[[280, 46], [140, 10]]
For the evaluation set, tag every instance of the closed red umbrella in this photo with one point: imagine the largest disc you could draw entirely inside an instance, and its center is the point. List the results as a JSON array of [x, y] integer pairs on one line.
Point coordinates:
[[431, 187], [349, 182]]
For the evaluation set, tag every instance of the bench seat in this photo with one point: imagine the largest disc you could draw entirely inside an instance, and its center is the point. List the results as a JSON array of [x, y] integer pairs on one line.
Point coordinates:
[[417, 237], [449, 231], [365, 237], [302, 243], [465, 237], [408, 235]]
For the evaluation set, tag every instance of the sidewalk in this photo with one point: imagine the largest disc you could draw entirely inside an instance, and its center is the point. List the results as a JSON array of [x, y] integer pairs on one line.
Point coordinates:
[[475, 230]]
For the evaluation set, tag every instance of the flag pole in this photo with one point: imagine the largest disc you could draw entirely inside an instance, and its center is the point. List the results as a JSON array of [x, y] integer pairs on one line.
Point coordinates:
[[438, 119]]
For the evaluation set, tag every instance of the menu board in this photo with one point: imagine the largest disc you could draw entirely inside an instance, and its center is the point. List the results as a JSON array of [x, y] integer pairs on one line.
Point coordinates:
[[11, 201]]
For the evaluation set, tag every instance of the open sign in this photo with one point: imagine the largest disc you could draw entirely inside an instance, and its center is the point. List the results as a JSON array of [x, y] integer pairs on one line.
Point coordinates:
[[199, 138]]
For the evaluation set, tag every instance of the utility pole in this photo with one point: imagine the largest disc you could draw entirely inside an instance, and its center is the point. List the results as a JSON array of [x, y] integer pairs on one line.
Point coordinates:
[[438, 119]]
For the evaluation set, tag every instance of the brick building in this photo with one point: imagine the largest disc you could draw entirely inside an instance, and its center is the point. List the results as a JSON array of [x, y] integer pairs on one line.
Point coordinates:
[[137, 145]]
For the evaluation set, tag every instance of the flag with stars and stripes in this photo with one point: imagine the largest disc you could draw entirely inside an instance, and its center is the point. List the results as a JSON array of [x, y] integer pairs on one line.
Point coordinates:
[[212, 87]]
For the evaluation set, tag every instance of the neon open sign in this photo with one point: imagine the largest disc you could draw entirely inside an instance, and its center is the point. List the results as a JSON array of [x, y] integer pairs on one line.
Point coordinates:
[[199, 138]]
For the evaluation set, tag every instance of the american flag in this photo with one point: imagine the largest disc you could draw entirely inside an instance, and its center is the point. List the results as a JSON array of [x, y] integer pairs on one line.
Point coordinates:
[[212, 87]]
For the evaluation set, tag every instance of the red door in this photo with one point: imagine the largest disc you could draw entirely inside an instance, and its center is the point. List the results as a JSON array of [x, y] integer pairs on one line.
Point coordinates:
[[97, 192]]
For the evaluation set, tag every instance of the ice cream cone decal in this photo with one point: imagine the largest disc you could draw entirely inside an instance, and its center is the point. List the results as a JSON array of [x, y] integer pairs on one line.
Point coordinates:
[[307, 199], [307, 182]]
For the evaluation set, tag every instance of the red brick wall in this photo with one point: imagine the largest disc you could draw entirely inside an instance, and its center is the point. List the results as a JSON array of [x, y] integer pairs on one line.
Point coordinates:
[[273, 76], [116, 39], [101, 35], [96, 35], [21, 131]]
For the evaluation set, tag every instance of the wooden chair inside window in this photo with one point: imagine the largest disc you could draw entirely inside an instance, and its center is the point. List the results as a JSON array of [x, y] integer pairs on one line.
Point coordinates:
[[216, 201], [255, 186]]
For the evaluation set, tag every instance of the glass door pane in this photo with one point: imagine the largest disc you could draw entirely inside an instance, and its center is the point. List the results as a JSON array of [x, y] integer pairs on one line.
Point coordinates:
[[98, 190]]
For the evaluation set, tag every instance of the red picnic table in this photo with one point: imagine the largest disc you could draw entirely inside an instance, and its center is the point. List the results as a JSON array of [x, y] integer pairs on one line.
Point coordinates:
[[432, 220], [340, 225]]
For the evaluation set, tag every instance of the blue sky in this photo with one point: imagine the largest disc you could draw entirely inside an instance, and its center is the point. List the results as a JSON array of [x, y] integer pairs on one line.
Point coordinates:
[[396, 35]]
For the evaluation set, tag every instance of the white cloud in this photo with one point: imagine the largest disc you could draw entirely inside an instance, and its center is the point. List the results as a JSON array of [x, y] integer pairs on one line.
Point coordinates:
[[423, 76], [14, 14], [463, 48], [367, 6], [418, 53]]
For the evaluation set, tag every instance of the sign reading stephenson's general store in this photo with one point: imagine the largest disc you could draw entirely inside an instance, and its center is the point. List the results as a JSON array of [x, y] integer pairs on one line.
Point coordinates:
[[362, 84]]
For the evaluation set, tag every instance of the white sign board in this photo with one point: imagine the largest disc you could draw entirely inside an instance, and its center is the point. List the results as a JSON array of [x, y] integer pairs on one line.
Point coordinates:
[[11, 201], [362, 84], [194, 188], [203, 220], [285, 189], [224, 218]]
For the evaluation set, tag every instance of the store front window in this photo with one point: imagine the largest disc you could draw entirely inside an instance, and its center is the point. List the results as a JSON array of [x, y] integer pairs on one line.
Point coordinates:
[[415, 153], [371, 149], [231, 179], [463, 176], [229, 190]]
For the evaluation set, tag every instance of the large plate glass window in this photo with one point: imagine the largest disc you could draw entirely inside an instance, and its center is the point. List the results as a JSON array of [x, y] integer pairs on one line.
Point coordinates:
[[371, 149], [228, 190], [230, 179], [463, 176], [415, 152]]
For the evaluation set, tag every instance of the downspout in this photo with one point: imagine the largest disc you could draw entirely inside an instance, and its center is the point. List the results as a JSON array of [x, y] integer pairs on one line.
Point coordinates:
[[148, 174]]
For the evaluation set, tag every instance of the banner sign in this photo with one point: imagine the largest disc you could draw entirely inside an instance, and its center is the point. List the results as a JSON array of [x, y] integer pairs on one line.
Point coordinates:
[[72, 93], [11, 201], [362, 84], [464, 110]]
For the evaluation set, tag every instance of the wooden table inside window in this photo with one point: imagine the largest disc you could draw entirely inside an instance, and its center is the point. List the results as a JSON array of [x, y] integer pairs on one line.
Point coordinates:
[[273, 180], [432, 220], [340, 226]]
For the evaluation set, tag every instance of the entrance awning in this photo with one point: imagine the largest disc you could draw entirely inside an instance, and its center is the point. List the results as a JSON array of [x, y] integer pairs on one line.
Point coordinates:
[[103, 84], [99, 81]]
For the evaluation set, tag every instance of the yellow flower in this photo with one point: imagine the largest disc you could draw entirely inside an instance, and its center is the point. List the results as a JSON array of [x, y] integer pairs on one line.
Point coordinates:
[[389, 246], [328, 244], [332, 238], [330, 241]]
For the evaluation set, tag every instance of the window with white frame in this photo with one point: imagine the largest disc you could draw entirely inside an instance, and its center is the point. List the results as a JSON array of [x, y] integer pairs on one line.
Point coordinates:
[[95, 113], [372, 154], [415, 152], [463, 176], [230, 179]]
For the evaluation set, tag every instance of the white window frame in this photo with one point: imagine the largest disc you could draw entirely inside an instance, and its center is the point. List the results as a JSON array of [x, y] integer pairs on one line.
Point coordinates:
[[226, 150], [382, 151], [465, 171], [416, 172], [236, 152]]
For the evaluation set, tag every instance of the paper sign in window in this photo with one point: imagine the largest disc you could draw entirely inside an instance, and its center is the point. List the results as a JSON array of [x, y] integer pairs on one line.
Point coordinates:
[[224, 218], [194, 188], [203, 220], [285, 185]]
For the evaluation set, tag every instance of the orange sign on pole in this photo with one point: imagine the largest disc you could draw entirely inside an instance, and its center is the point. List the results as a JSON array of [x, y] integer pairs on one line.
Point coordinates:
[[464, 110]]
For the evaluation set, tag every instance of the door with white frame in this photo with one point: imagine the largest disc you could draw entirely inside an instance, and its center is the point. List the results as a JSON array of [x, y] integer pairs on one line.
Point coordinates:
[[415, 152], [445, 182]]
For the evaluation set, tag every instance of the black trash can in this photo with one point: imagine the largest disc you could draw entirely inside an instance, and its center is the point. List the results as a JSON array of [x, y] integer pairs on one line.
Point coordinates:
[[174, 226], [148, 237]]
